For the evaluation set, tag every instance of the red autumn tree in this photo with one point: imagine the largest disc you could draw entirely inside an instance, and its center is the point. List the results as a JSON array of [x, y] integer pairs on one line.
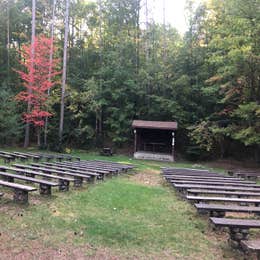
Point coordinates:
[[38, 77]]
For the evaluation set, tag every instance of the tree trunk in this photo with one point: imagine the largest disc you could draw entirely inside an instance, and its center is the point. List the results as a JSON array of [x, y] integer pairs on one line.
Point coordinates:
[[8, 41], [38, 137], [50, 69], [64, 71], [27, 126]]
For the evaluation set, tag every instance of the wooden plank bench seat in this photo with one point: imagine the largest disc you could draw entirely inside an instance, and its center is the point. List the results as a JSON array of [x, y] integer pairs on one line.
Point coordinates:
[[80, 167], [20, 191], [219, 210], [184, 187], [252, 245], [124, 167], [200, 180], [224, 193], [91, 176], [7, 158], [198, 199], [77, 178], [248, 175], [238, 228], [188, 177], [193, 174], [45, 186], [62, 167], [21, 157], [63, 181], [103, 170], [32, 156], [217, 183], [93, 173]]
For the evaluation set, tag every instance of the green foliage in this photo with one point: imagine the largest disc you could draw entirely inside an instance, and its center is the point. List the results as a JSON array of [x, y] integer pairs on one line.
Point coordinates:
[[10, 123]]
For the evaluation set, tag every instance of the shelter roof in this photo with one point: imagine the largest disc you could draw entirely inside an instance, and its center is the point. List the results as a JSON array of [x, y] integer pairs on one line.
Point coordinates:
[[163, 125]]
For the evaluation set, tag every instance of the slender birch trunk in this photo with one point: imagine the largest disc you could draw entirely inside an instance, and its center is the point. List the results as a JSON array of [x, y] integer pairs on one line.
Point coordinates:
[[27, 126], [64, 71], [50, 68]]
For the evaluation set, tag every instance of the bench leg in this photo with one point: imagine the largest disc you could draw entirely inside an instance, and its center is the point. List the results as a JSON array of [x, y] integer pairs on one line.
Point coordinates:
[[92, 179], [45, 189], [217, 214], [236, 235], [9, 179], [78, 181], [63, 185], [20, 196]]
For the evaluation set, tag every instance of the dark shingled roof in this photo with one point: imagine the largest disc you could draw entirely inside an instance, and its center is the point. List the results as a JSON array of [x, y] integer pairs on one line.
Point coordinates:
[[154, 125]]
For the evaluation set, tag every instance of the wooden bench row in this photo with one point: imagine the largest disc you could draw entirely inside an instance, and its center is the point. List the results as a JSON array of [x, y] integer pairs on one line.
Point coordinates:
[[48, 175], [221, 189]]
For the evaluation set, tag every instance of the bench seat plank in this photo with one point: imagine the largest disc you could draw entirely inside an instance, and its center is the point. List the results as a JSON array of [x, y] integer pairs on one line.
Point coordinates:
[[223, 183], [223, 199], [46, 169], [30, 179], [229, 208], [213, 187], [17, 186], [201, 180], [221, 192], [253, 244], [232, 222]]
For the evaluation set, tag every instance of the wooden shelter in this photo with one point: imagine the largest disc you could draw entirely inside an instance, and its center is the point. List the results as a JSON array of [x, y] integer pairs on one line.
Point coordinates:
[[154, 140]]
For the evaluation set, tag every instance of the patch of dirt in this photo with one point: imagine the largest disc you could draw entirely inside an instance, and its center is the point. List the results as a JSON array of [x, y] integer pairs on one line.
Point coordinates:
[[148, 177]]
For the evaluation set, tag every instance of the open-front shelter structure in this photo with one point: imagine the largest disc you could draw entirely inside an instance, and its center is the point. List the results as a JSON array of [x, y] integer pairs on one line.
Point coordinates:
[[154, 140]]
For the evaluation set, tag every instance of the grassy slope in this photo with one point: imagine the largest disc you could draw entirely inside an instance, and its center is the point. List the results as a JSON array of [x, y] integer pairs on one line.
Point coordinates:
[[129, 218]]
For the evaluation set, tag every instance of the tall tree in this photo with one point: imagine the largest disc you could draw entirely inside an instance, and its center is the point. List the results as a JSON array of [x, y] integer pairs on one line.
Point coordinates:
[[27, 126], [50, 67], [64, 71]]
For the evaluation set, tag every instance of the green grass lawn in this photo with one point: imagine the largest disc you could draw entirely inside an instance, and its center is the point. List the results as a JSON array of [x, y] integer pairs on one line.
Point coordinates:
[[122, 217]]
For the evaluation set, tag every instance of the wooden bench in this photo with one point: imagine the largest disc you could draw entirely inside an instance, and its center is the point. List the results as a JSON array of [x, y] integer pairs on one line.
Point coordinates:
[[45, 186], [21, 157], [107, 171], [193, 174], [90, 176], [63, 181], [121, 165], [217, 183], [194, 177], [198, 199], [219, 210], [7, 158], [81, 166], [248, 175], [184, 187], [77, 178], [251, 246], [20, 191], [29, 155], [238, 228], [106, 151], [223, 193], [202, 180], [93, 173]]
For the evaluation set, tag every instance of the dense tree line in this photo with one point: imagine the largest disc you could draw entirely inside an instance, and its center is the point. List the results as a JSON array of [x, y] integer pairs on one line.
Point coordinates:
[[207, 80]]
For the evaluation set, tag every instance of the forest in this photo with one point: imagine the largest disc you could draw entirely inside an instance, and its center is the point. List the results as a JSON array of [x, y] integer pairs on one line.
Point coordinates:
[[121, 67]]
